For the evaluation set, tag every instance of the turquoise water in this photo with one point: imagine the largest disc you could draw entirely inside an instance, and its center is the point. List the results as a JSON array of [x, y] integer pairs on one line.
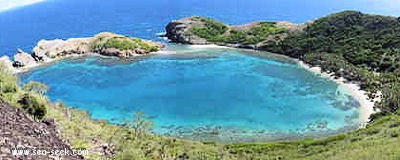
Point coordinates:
[[205, 94]]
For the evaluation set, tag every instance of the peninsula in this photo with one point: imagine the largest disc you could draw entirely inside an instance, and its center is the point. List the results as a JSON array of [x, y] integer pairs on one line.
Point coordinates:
[[104, 44]]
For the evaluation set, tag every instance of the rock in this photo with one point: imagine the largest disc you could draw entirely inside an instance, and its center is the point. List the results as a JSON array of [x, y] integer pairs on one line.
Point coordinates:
[[100, 44], [19, 130], [6, 63], [46, 50], [24, 59], [178, 31]]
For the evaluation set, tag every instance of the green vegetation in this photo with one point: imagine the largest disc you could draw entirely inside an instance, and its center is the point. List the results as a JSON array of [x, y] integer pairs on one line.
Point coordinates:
[[254, 35], [36, 87], [32, 106], [357, 46], [210, 30], [122, 43], [218, 32]]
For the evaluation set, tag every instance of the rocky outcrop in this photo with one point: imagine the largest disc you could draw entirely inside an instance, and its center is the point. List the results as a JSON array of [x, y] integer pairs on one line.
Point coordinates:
[[49, 49], [105, 44], [178, 31], [24, 59], [18, 131], [6, 63]]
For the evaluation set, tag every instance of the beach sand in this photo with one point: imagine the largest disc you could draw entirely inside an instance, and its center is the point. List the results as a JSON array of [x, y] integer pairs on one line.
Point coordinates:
[[366, 103], [208, 46]]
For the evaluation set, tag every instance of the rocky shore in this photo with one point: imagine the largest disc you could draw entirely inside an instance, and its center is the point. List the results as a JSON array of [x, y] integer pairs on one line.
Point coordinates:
[[104, 44]]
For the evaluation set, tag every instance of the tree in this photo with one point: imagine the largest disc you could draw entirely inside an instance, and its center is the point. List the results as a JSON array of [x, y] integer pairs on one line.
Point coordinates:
[[141, 124], [36, 87], [391, 98], [32, 106]]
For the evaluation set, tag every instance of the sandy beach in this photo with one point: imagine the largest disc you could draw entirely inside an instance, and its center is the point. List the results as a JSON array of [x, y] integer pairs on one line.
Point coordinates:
[[366, 104], [208, 46]]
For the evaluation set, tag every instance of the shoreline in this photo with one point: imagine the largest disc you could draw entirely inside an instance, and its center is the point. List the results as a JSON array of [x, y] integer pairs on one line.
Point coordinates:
[[52, 61], [366, 103]]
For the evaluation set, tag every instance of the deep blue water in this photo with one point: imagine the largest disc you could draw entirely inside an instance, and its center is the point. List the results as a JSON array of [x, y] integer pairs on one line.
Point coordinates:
[[24, 27], [231, 92]]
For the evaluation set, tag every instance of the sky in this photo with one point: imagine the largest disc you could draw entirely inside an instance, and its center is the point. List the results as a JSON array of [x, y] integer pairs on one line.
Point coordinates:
[[9, 4], [389, 7]]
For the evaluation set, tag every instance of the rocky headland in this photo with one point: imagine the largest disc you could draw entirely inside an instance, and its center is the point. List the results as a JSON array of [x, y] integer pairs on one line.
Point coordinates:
[[205, 31], [103, 44]]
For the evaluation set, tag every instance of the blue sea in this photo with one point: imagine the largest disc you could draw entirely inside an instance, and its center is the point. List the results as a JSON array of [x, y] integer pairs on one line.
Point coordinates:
[[195, 93]]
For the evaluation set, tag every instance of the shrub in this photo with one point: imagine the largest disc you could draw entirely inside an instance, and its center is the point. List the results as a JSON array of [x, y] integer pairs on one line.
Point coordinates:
[[122, 43], [32, 106], [8, 82], [36, 87]]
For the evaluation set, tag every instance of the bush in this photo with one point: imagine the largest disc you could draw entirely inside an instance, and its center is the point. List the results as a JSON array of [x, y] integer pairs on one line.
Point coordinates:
[[8, 82], [36, 87], [32, 106]]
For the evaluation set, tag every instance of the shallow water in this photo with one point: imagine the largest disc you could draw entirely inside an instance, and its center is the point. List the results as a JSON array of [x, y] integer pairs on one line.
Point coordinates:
[[205, 94]]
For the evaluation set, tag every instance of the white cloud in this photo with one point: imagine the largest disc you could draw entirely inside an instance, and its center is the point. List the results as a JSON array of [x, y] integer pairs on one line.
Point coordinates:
[[9, 4]]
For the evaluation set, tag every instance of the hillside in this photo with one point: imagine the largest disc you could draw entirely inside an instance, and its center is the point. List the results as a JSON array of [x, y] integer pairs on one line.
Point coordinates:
[[17, 130]]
